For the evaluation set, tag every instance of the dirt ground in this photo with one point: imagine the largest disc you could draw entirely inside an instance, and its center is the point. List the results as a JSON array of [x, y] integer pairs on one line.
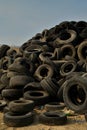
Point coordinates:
[[76, 122]]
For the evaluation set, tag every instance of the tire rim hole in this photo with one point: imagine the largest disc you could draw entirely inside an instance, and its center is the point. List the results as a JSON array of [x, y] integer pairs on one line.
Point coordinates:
[[48, 55], [67, 51], [84, 51], [19, 101], [77, 95], [37, 94], [44, 72], [65, 36], [68, 68]]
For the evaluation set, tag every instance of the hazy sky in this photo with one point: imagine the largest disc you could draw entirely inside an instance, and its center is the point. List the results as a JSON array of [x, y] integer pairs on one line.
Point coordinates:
[[22, 19]]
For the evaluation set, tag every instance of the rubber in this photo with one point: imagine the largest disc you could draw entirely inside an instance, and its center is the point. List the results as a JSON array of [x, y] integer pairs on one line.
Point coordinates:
[[14, 120]]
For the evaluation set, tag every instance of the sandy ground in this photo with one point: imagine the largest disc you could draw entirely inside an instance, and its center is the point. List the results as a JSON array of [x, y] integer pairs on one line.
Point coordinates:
[[74, 123]]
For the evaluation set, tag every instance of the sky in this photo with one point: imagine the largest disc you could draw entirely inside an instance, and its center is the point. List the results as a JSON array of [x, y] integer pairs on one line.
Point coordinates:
[[20, 20]]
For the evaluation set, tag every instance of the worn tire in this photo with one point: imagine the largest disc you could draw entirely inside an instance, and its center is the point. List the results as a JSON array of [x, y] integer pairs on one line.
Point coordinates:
[[14, 120], [66, 37], [50, 85], [39, 97], [43, 71], [68, 50], [82, 51], [2, 105], [54, 106], [12, 93], [20, 81], [68, 68], [52, 118], [78, 101], [3, 50], [21, 106], [32, 86]]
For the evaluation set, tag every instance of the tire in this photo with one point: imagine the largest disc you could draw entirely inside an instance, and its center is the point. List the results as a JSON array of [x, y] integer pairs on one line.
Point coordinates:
[[3, 50], [21, 106], [82, 50], [2, 86], [54, 106], [11, 52], [11, 74], [50, 86], [67, 68], [45, 55], [57, 53], [16, 67], [60, 92], [32, 86], [2, 105], [68, 50], [80, 26], [61, 81], [43, 71], [85, 116], [52, 118], [12, 93], [20, 81], [5, 79], [6, 109], [84, 75], [14, 120], [66, 37], [53, 65], [78, 101], [39, 97], [83, 34]]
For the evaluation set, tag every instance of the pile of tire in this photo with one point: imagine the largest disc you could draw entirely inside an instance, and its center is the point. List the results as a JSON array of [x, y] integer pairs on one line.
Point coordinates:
[[49, 67]]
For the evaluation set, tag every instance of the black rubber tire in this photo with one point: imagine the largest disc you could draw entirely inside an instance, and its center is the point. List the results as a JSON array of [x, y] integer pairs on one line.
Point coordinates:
[[53, 65], [85, 116], [61, 81], [45, 55], [16, 67], [68, 50], [80, 26], [84, 75], [67, 68], [4, 79], [2, 86], [20, 81], [11, 52], [82, 51], [14, 120], [13, 73], [2, 105], [66, 37], [52, 118], [32, 86], [50, 86], [54, 106], [12, 93], [21, 106], [83, 34], [43, 71], [39, 97], [72, 99], [3, 50], [6, 109], [57, 53], [60, 92]]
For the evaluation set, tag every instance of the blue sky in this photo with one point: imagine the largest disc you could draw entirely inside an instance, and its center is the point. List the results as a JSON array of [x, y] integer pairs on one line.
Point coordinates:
[[22, 19]]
